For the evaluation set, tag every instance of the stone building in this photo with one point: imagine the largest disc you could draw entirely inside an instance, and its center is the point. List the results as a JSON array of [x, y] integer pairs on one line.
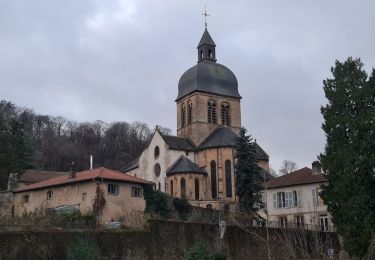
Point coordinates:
[[198, 163], [123, 194]]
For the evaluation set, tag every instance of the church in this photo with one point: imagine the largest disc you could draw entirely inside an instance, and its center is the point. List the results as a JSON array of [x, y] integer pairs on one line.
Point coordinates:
[[198, 163]]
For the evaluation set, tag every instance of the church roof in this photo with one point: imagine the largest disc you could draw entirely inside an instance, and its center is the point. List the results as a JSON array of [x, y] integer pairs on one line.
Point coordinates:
[[225, 137], [220, 137], [206, 39], [177, 143], [184, 165], [208, 77], [131, 166]]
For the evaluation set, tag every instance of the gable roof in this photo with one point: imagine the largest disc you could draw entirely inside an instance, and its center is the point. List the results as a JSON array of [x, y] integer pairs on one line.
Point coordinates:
[[299, 177], [131, 166], [88, 175], [33, 176], [184, 165], [177, 143]]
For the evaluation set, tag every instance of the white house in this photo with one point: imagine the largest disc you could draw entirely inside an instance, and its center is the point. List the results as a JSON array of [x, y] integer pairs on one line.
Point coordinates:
[[293, 200]]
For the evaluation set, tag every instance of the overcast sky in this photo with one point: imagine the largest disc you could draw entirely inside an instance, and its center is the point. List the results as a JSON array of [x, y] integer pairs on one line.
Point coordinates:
[[120, 60]]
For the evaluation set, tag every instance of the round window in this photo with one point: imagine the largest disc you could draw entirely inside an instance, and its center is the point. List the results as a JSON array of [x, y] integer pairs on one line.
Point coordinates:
[[157, 170]]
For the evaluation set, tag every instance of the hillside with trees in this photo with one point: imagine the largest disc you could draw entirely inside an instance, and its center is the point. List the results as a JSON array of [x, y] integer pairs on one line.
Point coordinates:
[[32, 141]]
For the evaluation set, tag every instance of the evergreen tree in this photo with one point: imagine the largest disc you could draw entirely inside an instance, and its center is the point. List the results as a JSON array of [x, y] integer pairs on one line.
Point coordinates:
[[248, 173], [349, 156]]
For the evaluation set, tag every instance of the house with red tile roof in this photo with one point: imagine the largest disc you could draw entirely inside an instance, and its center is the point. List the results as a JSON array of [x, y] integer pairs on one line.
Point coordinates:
[[120, 193], [293, 200]]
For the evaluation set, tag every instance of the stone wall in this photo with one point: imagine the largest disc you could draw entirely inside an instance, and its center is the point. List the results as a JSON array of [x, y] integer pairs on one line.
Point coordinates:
[[165, 240]]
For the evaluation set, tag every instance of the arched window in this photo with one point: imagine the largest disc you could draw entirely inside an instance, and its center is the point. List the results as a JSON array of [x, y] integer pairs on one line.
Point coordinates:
[[157, 170], [183, 119], [159, 186], [183, 188], [210, 53], [156, 152], [225, 114], [196, 189], [189, 113], [213, 180], [211, 112], [228, 178], [172, 188]]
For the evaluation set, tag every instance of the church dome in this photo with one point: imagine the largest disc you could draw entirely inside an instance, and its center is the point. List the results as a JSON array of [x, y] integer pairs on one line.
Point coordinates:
[[208, 76]]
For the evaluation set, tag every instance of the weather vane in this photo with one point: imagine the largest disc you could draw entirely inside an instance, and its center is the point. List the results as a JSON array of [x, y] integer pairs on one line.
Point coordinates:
[[205, 16]]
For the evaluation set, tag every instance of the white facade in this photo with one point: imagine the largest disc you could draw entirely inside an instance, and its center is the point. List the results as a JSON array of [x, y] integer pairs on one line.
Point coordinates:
[[148, 161], [296, 206]]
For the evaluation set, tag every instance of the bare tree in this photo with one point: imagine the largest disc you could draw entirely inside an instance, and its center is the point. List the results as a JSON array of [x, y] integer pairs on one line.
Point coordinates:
[[287, 167]]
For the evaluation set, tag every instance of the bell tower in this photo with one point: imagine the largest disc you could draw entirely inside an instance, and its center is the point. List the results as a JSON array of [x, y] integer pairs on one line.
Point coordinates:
[[207, 96]]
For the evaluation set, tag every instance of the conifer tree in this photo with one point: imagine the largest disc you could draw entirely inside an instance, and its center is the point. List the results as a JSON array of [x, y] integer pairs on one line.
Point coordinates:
[[349, 156], [248, 173]]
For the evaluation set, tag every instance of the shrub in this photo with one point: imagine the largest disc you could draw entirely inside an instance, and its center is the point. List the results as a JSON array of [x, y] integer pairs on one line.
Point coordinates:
[[198, 252], [81, 247], [156, 202], [182, 207]]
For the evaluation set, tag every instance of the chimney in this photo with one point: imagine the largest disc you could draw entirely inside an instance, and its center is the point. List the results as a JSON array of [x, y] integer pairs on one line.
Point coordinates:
[[72, 171], [91, 162], [316, 167]]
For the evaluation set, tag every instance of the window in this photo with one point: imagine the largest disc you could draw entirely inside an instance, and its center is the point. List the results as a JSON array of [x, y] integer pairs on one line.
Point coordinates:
[[213, 180], [136, 192], [264, 200], [283, 222], [113, 189], [201, 54], [297, 198], [156, 152], [189, 113], [299, 221], [324, 223], [171, 188], [49, 195], [84, 195], [159, 186], [225, 117], [228, 178], [274, 200], [211, 110], [25, 199], [183, 188], [196, 186], [288, 199], [314, 199], [183, 121], [157, 170], [281, 199]]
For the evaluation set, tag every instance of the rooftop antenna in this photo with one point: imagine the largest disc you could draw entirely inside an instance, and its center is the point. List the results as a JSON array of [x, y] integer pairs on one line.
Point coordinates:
[[205, 17]]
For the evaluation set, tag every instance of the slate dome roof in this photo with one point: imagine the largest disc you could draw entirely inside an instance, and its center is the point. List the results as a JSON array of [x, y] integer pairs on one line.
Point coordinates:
[[208, 77]]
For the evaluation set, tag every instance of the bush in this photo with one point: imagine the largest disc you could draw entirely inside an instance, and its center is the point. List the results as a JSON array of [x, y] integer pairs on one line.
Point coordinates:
[[82, 248], [198, 252], [182, 207], [156, 202]]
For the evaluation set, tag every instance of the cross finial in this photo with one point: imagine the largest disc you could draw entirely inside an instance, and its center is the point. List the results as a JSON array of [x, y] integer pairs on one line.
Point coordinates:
[[205, 16]]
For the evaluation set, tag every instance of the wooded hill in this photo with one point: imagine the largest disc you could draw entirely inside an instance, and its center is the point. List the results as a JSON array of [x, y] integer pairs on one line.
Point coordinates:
[[32, 141]]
